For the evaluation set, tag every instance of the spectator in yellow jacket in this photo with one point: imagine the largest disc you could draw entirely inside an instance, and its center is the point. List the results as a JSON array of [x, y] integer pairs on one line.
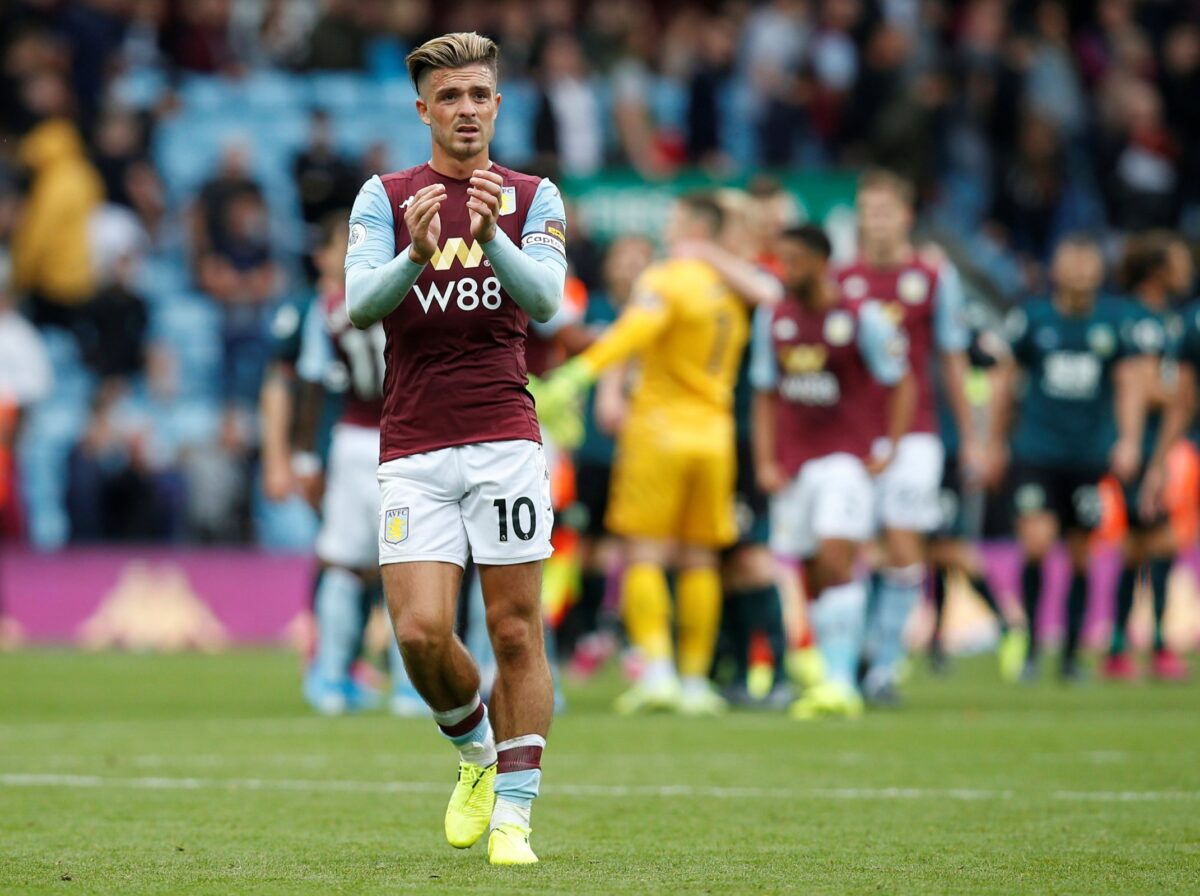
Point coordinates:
[[51, 253]]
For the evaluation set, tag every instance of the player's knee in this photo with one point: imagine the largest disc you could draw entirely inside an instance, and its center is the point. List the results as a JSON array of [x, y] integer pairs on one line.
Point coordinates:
[[514, 636], [419, 637]]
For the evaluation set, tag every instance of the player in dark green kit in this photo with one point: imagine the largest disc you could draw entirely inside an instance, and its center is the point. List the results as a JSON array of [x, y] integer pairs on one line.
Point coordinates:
[[952, 547], [1084, 358], [1156, 270]]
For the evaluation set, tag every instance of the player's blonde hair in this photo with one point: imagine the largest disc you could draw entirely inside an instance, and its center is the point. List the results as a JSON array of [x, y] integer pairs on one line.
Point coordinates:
[[883, 179], [455, 50]]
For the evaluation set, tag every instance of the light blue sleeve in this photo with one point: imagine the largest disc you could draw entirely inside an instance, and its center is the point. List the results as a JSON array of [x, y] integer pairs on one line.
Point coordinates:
[[950, 330], [534, 274], [883, 344], [377, 279], [316, 352], [763, 372], [545, 233]]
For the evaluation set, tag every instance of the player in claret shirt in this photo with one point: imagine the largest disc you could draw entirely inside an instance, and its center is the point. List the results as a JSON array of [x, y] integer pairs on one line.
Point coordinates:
[[928, 307], [455, 257], [817, 361]]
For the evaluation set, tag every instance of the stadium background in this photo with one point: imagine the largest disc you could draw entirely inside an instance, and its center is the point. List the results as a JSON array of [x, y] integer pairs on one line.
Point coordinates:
[[127, 126]]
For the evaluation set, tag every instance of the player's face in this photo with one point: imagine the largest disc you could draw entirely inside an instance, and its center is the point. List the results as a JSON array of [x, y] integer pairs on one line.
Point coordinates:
[[1078, 270], [884, 221], [801, 266], [460, 105]]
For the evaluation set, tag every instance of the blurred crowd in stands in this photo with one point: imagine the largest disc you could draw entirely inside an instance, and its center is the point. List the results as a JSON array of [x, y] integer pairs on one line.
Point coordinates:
[[165, 166]]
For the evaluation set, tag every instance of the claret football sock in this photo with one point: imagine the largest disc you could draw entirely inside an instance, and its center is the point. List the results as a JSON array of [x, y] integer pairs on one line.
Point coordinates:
[[339, 623], [698, 616], [1160, 572], [468, 728], [518, 776], [647, 610], [837, 622], [1125, 590]]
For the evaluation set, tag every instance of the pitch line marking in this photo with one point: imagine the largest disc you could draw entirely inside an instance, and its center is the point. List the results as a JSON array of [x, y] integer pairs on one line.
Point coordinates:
[[582, 790]]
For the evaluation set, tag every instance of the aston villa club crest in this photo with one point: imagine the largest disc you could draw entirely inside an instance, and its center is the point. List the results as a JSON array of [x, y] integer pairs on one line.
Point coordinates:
[[508, 200], [855, 287], [395, 526], [1102, 340], [785, 329], [839, 328], [912, 287]]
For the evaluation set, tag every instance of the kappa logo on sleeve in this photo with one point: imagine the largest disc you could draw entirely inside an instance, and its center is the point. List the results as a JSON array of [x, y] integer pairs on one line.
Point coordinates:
[[395, 526]]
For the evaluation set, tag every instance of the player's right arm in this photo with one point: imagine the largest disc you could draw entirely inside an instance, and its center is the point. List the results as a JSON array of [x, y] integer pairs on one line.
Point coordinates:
[[377, 280], [316, 354], [764, 377], [884, 347], [645, 317]]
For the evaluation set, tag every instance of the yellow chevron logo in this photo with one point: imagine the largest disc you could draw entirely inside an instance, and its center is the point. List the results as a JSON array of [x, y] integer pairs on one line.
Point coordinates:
[[468, 256]]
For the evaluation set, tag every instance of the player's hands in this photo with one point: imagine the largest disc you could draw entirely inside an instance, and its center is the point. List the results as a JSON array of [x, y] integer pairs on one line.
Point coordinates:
[[610, 409], [424, 223], [563, 423], [770, 477], [562, 392], [1150, 498], [483, 203], [1126, 455]]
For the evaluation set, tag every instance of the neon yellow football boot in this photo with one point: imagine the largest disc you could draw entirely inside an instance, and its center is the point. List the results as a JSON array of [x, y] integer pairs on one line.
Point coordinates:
[[661, 696], [805, 666], [828, 700], [471, 803], [1014, 648], [509, 845]]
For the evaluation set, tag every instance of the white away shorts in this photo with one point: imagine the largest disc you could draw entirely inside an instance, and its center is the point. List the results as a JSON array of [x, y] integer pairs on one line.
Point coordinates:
[[489, 501], [350, 507], [910, 486], [830, 497]]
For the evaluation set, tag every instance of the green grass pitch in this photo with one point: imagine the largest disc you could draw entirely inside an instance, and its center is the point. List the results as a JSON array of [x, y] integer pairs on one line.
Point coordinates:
[[206, 774]]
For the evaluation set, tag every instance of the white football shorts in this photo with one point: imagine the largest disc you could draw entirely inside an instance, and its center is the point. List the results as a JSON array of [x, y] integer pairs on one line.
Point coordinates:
[[830, 497], [489, 501], [910, 487], [350, 507]]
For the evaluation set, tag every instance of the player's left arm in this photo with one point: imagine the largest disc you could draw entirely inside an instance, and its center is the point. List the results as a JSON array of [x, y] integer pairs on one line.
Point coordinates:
[[952, 337], [1141, 344], [535, 273], [753, 285], [885, 350]]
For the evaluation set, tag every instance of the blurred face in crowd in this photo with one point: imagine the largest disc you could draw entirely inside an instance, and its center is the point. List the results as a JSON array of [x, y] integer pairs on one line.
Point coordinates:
[[1077, 271], [803, 267], [884, 221], [1180, 269], [460, 105], [627, 257], [330, 256]]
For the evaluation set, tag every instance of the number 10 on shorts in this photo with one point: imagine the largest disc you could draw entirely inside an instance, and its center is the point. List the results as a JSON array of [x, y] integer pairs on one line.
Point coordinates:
[[523, 518]]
